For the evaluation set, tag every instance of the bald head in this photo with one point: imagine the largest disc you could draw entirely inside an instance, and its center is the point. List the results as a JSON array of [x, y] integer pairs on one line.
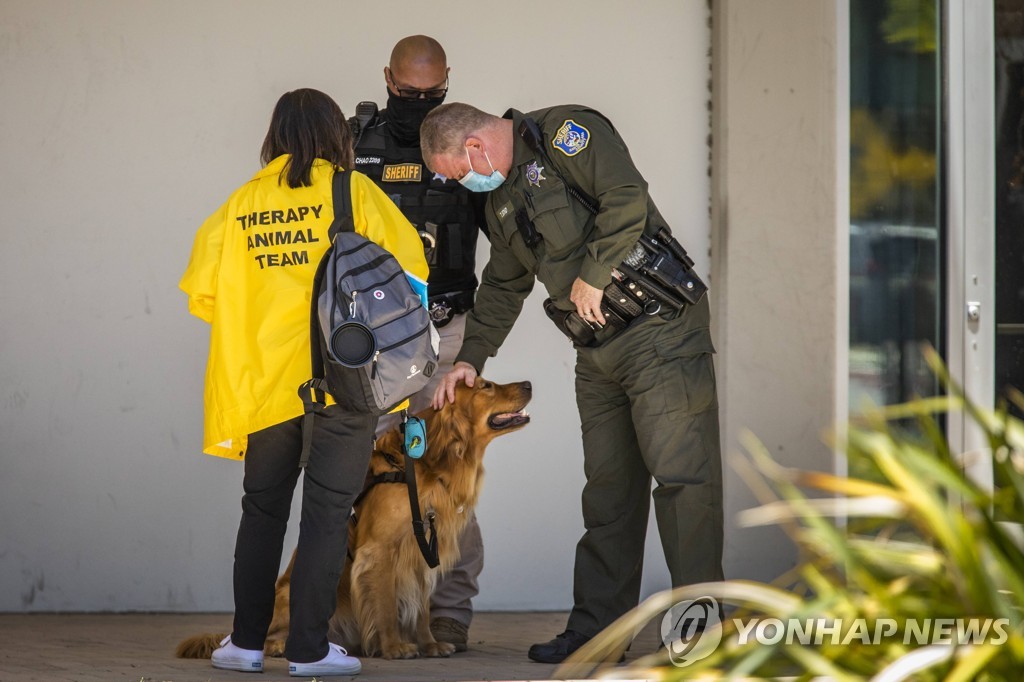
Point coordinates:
[[418, 51], [418, 64]]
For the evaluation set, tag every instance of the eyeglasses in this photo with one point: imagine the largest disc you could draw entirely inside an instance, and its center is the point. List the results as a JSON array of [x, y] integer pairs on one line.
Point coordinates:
[[412, 94]]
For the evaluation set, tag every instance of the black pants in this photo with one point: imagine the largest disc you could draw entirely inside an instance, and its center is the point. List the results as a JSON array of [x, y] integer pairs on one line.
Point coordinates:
[[340, 456]]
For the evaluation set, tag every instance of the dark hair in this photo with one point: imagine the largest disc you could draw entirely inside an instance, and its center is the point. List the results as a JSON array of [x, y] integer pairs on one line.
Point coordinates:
[[308, 125]]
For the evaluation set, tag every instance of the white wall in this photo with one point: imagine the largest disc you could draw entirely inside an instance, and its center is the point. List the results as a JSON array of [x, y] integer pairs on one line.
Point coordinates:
[[125, 123], [781, 229]]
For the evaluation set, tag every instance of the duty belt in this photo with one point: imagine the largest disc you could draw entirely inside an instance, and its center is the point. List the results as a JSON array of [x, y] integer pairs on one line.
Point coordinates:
[[444, 307], [624, 301]]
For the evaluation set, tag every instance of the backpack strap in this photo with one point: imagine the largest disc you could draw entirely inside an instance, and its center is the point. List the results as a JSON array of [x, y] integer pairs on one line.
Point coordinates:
[[314, 391], [341, 196]]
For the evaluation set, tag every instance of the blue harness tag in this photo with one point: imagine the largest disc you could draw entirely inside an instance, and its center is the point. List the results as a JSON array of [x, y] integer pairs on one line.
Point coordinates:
[[415, 437]]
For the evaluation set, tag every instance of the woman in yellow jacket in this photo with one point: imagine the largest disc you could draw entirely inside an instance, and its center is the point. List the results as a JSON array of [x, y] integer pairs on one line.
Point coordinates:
[[250, 276]]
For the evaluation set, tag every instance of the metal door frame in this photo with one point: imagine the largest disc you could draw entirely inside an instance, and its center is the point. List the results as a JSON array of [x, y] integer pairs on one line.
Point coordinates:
[[969, 131]]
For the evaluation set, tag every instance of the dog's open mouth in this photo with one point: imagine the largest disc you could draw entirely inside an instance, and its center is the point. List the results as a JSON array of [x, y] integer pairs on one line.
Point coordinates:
[[508, 420]]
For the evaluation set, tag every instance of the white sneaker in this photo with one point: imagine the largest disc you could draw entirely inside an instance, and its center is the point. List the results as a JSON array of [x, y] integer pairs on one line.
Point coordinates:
[[231, 657], [336, 662]]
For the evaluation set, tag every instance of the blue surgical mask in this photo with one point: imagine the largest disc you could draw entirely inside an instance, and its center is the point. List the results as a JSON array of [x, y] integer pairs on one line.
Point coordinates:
[[475, 182]]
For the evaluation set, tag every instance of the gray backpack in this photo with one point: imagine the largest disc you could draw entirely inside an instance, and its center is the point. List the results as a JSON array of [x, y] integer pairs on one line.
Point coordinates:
[[371, 340]]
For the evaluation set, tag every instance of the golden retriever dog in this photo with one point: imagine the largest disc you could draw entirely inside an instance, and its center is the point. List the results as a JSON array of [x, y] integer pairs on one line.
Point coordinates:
[[384, 592]]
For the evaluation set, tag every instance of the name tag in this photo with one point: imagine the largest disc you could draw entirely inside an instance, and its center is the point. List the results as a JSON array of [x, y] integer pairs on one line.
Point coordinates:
[[504, 211], [403, 172]]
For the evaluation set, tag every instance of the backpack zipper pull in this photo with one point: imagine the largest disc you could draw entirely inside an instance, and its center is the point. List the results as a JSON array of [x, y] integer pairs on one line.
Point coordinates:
[[373, 370]]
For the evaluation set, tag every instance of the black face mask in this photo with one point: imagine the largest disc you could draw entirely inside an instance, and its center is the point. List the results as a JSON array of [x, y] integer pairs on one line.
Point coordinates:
[[405, 117]]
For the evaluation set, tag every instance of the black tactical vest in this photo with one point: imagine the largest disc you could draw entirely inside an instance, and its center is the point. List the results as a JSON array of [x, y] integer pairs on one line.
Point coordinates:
[[441, 210]]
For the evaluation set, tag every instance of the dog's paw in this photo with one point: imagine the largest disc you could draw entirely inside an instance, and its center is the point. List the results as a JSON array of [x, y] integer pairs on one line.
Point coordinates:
[[438, 649], [274, 648], [400, 650]]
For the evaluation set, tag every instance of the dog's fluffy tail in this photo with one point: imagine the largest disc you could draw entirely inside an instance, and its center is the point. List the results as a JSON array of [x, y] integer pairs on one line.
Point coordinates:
[[199, 646]]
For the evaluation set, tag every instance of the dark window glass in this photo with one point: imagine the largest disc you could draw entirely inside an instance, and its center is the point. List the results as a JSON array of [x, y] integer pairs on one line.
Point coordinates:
[[896, 223], [1009, 126]]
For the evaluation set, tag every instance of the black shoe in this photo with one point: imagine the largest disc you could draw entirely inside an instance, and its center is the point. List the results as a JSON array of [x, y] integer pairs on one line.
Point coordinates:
[[558, 649]]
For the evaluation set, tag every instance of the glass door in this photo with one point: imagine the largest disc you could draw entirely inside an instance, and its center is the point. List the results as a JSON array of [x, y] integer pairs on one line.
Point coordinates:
[[984, 178], [1009, 199], [1007, 111], [937, 203]]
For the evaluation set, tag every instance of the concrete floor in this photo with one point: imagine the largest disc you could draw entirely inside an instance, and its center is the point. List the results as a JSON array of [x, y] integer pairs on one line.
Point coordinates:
[[140, 648]]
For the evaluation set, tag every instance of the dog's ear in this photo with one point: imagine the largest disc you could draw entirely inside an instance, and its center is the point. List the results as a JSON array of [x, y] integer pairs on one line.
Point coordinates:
[[449, 429]]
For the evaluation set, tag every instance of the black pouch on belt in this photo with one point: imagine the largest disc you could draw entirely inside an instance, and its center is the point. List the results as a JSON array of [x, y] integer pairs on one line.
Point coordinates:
[[622, 302], [584, 333], [570, 324]]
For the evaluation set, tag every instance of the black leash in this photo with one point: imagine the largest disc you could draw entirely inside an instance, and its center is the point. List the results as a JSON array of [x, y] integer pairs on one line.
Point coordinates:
[[428, 548]]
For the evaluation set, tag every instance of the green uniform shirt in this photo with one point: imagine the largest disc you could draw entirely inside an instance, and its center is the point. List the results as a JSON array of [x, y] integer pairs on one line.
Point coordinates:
[[584, 148]]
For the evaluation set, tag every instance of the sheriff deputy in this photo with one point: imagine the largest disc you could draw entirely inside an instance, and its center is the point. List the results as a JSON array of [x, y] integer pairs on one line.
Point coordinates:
[[568, 207]]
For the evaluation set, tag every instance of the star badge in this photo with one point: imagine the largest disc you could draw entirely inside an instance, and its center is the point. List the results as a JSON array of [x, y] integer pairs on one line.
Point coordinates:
[[534, 174]]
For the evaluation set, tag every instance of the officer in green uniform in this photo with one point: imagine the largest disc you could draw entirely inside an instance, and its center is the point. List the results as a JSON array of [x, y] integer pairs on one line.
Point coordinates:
[[566, 207]]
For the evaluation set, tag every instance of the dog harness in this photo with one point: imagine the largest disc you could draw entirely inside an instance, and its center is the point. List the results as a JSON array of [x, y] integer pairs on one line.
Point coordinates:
[[428, 547]]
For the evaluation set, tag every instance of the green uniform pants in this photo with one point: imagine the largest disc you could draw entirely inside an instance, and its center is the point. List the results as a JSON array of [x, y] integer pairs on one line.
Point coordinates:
[[648, 408]]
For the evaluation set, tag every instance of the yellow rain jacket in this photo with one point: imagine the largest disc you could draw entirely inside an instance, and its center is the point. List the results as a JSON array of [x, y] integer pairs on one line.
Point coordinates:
[[251, 277]]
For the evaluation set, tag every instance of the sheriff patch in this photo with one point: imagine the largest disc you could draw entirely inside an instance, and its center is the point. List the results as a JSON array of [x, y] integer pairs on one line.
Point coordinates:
[[403, 172], [571, 138]]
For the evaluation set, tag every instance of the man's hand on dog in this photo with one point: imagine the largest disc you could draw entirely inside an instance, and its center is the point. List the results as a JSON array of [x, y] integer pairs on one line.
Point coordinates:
[[445, 393]]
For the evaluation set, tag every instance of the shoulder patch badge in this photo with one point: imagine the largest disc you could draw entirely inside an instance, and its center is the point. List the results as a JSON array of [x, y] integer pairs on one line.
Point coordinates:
[[571, 138]]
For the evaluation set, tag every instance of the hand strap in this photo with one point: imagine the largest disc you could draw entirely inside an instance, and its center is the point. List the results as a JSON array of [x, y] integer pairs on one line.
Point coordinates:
[[341, 195]]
